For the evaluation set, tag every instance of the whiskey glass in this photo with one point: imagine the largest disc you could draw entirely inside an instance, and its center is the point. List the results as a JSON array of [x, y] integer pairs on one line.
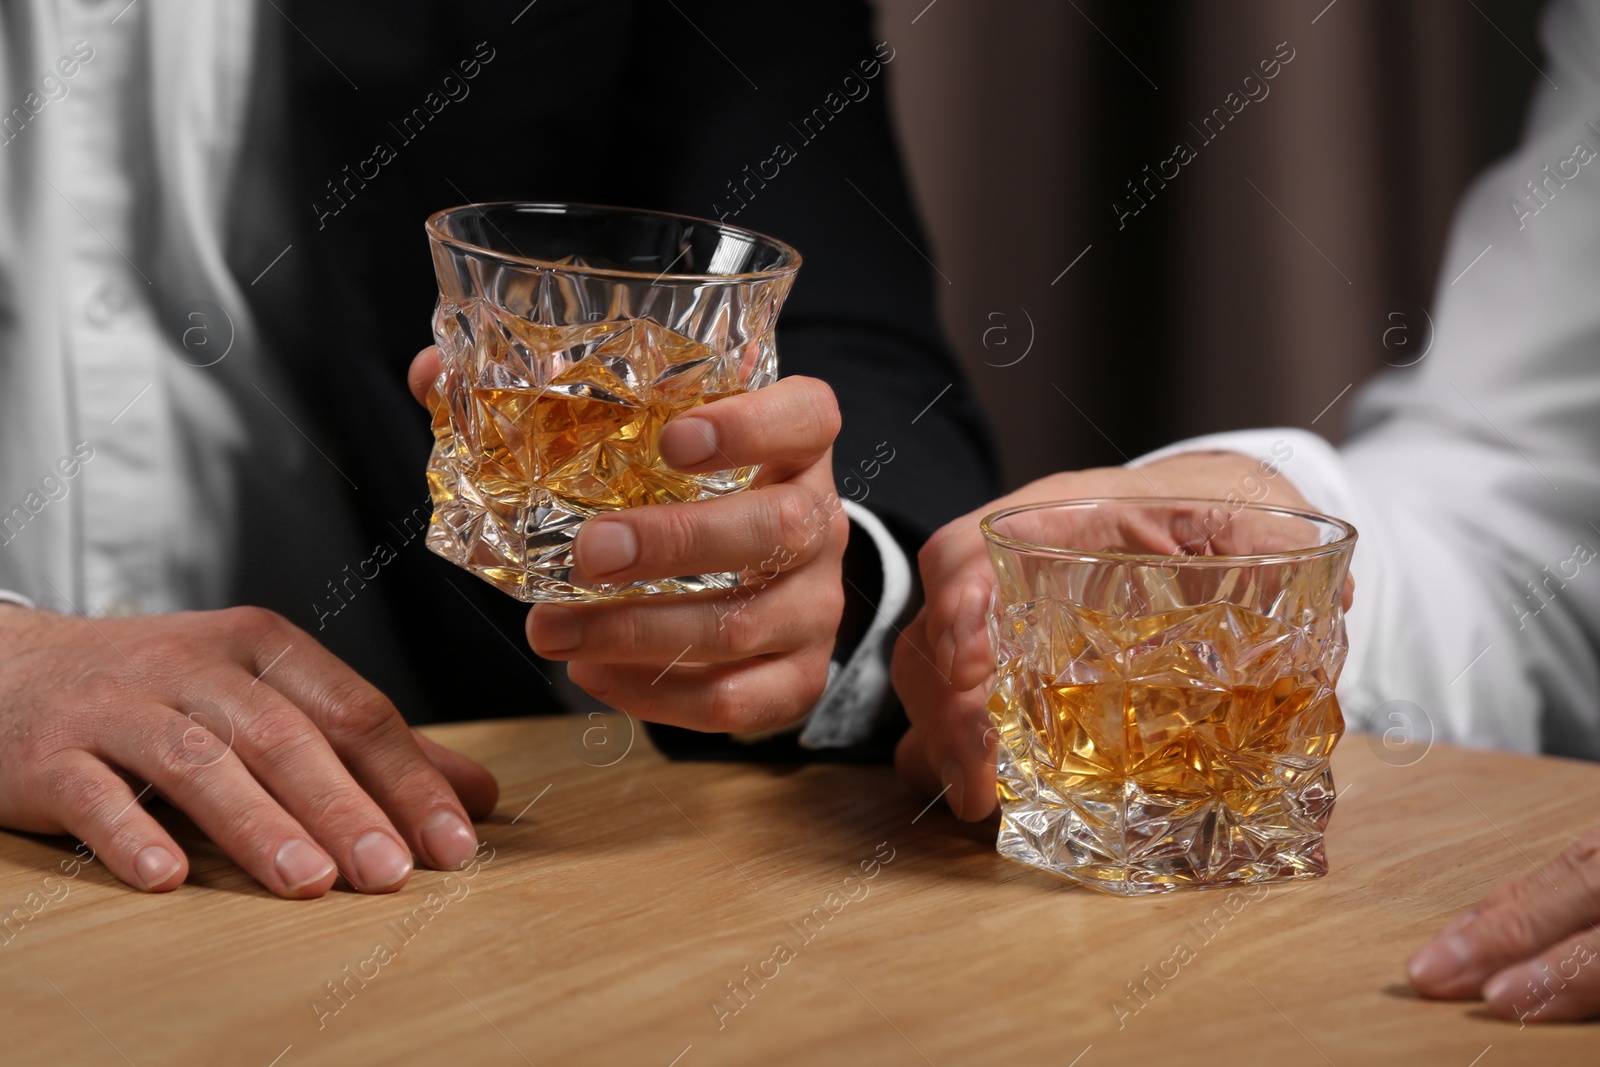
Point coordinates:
[[1164, 695], [569, 335]]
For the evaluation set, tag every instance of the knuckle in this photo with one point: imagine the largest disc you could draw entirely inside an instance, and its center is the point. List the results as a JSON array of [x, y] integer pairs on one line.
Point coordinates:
[[1585, 850], [421, 783], [822, 418], [813, 684], [830, 604], [758, 434], [933, 549], [792, 516], [1501, 895], [1513, 930], [673, 533], [838, 524], [252, 623], [1582, 858], [625, 628], [355, 711], [65, 790], [742, 631], [940, 616], [941, 609], [728, 705], [347, 806], [173, 749], [275, 737]]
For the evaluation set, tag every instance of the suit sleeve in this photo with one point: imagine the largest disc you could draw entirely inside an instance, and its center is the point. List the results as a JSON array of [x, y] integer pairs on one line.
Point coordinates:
[[774, 117]]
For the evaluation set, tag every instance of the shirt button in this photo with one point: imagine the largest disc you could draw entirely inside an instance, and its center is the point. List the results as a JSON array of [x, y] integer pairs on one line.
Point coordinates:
[[107, 304]]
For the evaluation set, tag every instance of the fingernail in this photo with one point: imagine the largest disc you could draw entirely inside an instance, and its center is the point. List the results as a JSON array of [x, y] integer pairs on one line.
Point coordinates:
[[951, 776], [686, 442], [1440, 959], [379, 861], [155, 865], [300, 863], [1511, 982], [448, 841], [555, 628], [604, 547], [944, 655]]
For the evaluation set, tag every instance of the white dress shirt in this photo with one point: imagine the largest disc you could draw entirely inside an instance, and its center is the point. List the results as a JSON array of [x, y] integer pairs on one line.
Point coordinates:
[[1474, 476], [137, 401], [112, 234]]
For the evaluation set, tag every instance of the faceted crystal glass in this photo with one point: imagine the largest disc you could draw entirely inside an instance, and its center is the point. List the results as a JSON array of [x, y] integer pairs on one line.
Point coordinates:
[[569, 336], [1164, 693]]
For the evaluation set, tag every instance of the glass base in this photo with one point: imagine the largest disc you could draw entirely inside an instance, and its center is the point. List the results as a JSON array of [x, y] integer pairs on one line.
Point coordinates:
[[546, 579], [1129, 842], [522, 545]]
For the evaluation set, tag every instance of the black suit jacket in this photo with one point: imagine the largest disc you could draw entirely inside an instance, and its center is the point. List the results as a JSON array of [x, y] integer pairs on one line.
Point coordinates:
[[393, 111]]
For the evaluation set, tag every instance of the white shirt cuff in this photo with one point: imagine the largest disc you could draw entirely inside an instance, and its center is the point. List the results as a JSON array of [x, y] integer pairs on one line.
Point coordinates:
[[849, 707]]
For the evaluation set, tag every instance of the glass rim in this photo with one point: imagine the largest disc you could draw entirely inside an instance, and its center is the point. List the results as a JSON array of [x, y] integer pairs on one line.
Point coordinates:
[[789, 265], [1345, 542]]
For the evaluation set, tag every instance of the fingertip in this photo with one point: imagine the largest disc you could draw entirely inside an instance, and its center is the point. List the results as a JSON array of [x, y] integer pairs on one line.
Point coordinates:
[[688, 442], [424, 371], [482, 798], [603, 547], [973, 661], [1434, 969], [311, 890], [955, 787], [159, 870], [553, 629], [380, 863], [304, 871], [911, 763], [1499, 990], [825, 403], [969, 787], [448, 841]]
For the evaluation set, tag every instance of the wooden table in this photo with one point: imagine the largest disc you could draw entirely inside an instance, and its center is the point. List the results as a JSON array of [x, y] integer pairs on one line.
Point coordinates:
[[621, 901]]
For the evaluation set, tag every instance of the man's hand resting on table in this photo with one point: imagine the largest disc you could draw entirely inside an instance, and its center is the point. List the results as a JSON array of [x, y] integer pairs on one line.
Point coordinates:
[[285, 757], [943, 665], [711, 661], [1530, 949]]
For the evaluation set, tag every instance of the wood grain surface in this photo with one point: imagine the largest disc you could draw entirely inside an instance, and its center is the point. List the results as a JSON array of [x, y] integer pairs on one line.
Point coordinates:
[[619, 901]]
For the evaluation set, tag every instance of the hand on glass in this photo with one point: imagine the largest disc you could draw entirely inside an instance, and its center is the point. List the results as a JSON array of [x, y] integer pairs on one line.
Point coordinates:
[[943, 665], [716, 661], [285, 757], [1530, 949]]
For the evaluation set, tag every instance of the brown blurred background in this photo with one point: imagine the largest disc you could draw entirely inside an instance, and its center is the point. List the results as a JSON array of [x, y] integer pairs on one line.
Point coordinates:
[[1022, 120]]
